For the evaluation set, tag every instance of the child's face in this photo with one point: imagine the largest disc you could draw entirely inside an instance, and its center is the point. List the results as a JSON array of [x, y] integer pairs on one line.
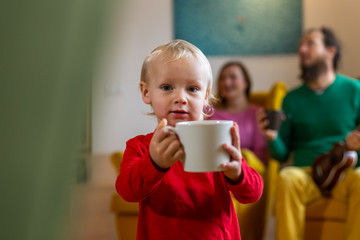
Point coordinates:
[[176, 90]]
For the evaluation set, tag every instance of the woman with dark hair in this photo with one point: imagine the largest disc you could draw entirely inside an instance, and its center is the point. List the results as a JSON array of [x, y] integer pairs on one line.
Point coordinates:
[[233, 89]]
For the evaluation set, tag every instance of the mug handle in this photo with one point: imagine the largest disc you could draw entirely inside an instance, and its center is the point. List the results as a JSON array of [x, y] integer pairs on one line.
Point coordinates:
[[171, 129]]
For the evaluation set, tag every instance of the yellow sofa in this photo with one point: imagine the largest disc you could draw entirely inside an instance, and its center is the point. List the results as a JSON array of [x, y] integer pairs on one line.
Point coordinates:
[[325, 220], [126, 213]]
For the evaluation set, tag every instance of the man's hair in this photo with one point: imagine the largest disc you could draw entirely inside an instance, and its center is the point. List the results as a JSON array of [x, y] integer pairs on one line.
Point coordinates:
[[330, 40]]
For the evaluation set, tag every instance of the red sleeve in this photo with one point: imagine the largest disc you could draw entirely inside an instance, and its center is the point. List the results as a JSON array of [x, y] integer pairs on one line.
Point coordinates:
[[250, 188], [138, 176]]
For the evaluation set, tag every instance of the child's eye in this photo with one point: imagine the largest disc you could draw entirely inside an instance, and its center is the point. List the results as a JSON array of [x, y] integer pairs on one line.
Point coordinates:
[[193, 89], [166, 87]]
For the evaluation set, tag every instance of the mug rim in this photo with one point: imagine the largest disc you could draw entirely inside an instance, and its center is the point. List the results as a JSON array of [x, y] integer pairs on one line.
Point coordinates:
[[204, 122]]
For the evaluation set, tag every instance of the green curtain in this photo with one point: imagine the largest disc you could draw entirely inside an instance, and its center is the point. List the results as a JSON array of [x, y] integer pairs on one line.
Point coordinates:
[[47, 53]]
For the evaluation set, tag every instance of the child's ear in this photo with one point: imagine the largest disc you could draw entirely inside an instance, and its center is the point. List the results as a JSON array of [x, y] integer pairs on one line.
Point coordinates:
[[145, 92]]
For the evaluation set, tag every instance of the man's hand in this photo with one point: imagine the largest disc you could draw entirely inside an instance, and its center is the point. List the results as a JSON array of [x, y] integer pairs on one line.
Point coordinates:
[[353, 140]]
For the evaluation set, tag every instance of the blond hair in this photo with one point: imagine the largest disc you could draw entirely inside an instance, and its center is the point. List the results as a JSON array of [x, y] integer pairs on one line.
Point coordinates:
[[173, 51]]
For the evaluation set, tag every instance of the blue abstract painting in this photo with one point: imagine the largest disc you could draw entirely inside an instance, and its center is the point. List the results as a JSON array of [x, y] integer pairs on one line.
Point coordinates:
[[239, 27]]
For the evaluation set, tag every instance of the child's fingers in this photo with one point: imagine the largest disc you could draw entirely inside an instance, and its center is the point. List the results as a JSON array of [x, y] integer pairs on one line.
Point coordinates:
[[171, 146], [160, 133], [233, 165], [163, 152], [232, 170], [232, 151], [168, 139], [162, 123], [235, 136], [179, 154]]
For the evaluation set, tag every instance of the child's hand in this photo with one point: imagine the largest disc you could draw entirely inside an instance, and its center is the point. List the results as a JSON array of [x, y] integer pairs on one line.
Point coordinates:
[[165, 147], [232, 169]]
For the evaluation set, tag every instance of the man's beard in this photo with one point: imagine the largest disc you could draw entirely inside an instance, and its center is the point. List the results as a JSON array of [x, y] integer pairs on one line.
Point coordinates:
[[311, 72]]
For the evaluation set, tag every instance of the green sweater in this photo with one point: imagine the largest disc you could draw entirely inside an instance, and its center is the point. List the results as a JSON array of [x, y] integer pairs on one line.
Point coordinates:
[[315, 121]]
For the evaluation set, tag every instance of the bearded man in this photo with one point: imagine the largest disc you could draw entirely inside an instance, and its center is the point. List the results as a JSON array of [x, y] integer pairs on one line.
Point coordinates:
[[325, 109]]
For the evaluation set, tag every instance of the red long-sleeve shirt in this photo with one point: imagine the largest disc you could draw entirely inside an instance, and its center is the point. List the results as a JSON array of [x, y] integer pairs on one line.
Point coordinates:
[[175, 204]]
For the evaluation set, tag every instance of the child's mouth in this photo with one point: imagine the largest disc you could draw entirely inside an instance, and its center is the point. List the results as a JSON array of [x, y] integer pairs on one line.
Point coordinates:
[[179, 113]]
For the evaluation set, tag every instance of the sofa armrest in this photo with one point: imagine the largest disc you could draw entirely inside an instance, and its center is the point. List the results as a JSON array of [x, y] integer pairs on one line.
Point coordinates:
[[119, 206]]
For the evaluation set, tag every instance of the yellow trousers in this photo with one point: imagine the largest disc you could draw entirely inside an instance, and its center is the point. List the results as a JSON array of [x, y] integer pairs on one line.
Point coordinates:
[[295, 188]]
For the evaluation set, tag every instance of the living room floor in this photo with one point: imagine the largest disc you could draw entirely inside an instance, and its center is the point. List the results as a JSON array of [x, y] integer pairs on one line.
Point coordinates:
[[91, 218]]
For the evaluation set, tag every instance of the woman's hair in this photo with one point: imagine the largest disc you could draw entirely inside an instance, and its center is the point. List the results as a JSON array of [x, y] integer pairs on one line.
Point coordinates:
[[173, 51], [220, 101]]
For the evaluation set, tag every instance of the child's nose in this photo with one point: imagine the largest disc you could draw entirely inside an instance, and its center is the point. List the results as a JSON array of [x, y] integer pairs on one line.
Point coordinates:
[[180, 97]]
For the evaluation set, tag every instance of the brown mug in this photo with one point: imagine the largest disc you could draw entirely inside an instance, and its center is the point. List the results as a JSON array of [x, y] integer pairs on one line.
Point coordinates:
[[275, 118]]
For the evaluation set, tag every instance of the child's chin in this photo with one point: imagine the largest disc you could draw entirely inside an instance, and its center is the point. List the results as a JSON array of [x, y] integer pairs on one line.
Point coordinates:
[[173, 122]]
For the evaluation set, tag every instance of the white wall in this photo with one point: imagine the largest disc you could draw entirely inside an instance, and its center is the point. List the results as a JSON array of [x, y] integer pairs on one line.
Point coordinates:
[[118, 112], [136, 27], [343, 17]]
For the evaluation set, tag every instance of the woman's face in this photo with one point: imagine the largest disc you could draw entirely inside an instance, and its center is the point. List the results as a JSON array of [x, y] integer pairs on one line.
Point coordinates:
[[232, 83]]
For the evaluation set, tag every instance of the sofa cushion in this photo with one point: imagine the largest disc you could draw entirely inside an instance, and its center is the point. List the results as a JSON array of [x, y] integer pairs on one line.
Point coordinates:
[[120, 206]]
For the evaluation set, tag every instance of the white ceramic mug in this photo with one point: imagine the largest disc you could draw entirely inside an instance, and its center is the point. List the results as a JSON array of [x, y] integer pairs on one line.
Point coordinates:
[[202, 142]]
